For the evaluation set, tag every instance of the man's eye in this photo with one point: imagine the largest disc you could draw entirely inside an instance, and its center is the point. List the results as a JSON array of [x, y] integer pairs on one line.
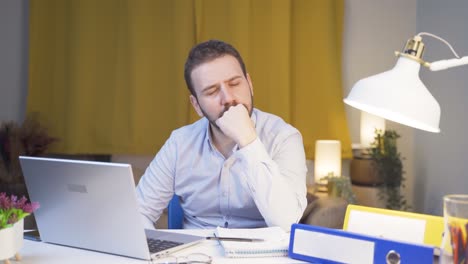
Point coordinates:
[[234, 83], [211, 91]]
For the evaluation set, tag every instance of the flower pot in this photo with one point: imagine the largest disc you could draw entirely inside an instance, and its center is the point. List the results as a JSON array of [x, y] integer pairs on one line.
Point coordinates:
[[11, 241], [363, 172]]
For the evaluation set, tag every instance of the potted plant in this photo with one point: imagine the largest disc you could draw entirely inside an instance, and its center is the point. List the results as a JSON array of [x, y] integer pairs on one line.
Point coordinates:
[[388, 165], [12, 213], [30, 139], [340, 186]]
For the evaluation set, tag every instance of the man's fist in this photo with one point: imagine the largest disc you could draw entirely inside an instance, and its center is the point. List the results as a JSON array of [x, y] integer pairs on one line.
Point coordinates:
[[236, 124]]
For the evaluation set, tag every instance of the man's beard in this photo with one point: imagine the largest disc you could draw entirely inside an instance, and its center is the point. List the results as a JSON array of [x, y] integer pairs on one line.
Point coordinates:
[[226, 107]]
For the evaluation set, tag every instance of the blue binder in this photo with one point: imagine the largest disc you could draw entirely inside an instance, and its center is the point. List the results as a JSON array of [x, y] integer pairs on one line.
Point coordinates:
[[325, 245]]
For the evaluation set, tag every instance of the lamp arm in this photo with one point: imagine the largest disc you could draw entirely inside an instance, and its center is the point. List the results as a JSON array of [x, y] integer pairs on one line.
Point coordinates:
[[445, 64]]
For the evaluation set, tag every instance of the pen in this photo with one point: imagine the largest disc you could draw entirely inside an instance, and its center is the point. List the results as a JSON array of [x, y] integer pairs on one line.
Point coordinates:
[[238, 239]]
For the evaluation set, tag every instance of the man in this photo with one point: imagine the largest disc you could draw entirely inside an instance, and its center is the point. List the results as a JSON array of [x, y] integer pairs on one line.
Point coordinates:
[[237, 166]]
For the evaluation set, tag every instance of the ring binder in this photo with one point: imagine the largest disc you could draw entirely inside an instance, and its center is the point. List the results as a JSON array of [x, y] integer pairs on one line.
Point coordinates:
[[391, 224], [326, 245]]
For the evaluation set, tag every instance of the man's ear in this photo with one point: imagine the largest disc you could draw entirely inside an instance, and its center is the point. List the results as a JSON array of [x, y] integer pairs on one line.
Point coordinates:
[[250, 83], [195, 105]]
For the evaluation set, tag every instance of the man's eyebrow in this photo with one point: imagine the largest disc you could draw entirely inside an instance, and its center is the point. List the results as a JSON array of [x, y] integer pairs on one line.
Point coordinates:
[[215, 85], [234, 78]]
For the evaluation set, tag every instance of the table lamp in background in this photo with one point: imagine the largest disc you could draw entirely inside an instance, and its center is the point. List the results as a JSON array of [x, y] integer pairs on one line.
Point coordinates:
[[369, 125], [362, 172], [327, 161]]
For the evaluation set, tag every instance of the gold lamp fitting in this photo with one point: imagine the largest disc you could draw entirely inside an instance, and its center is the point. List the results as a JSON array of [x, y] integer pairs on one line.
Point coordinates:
[[414, 50]]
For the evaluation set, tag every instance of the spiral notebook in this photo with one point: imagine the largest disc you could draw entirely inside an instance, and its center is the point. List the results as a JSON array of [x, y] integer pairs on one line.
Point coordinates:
[[275, 244]]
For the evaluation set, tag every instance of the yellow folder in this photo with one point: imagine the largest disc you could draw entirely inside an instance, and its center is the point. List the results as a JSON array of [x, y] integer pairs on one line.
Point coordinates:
[[392, 224]]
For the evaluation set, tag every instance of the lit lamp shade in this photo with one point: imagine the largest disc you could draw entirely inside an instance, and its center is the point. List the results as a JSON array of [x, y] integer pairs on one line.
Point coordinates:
[[370, 123], [327, 159], [398, 95]]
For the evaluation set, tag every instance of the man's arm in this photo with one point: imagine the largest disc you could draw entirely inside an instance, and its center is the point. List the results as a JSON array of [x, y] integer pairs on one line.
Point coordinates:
[[156, 186], [277, 184]]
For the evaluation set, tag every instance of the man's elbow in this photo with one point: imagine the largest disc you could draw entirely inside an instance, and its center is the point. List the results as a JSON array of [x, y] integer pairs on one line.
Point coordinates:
[[286, 221], [146, 221]]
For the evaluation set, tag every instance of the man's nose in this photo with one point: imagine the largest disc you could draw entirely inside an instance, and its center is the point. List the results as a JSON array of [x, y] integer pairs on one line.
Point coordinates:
[[226, 96]]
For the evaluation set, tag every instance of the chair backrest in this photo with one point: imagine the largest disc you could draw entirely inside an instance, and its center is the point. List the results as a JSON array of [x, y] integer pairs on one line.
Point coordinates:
[[175, 214]]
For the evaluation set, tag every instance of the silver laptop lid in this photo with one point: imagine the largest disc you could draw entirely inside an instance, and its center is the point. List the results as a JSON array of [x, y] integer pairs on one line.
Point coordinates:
[[90, 205]]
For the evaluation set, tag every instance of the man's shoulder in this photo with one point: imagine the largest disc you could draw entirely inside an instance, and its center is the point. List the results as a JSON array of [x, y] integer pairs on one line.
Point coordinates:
[[192, 130], [269, 122]]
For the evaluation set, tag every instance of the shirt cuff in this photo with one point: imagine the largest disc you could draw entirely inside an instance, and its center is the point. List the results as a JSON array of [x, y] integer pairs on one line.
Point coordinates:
[[253, 153]]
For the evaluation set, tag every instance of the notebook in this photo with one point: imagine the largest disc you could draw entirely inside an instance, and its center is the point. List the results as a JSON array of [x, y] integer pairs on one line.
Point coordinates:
[[275, 244], [92, 205]]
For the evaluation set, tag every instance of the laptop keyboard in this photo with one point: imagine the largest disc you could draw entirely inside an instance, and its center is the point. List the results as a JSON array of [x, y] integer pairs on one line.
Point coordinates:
[[156, 245]]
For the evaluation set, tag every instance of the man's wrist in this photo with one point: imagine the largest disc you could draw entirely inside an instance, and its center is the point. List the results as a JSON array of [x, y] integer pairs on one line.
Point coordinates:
[[247, 140]]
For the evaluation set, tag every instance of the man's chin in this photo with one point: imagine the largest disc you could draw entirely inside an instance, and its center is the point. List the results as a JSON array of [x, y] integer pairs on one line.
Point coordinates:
[[249, 109], [214, 125]]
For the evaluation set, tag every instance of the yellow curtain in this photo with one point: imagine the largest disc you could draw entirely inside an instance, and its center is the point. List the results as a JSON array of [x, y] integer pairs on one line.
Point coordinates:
[[107, 76]]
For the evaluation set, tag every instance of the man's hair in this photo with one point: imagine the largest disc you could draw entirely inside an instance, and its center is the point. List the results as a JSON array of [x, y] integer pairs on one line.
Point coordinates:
[[205, 52]]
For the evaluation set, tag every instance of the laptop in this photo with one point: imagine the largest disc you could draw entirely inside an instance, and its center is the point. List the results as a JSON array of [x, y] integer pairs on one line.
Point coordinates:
[[92, 205]]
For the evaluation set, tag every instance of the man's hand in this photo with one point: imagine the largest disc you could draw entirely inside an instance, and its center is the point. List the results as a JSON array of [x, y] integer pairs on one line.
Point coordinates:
[[236, 124]]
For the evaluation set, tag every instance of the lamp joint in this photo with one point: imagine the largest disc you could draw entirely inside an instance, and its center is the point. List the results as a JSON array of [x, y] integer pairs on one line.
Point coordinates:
[[414, 50]]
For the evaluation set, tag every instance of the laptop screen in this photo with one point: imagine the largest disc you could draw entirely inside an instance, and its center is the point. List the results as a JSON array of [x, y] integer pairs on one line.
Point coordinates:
[[86, 204]]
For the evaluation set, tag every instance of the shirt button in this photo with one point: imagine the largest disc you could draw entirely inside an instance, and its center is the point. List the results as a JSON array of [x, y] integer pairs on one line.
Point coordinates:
[[224, 193]]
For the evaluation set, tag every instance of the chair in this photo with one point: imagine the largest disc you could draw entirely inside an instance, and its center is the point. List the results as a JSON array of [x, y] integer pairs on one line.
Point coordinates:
[[175, 214], [324, 211]]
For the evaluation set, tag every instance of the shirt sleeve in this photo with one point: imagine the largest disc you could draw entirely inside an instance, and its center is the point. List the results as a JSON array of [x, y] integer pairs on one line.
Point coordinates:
[[156, 187], [277, 183]]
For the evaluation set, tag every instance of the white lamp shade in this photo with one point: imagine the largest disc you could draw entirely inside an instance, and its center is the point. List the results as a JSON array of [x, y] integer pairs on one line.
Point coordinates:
[[327, 158], [370, 123], [398, 95]]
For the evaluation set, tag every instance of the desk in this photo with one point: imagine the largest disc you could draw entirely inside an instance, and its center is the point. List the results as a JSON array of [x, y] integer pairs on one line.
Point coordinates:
[[44, 253]]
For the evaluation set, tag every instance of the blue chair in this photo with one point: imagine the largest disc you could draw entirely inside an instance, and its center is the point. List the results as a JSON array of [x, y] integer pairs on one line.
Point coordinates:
[[175, 214]]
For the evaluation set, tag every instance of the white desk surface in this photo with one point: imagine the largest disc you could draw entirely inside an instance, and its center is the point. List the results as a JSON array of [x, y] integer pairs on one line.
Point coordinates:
[[45, 253]]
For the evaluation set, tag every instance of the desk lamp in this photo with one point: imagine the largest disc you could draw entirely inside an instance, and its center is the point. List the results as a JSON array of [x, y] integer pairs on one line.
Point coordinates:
[[399, 94]]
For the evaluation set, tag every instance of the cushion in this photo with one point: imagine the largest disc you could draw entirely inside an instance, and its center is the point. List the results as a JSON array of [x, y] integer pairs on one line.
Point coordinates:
[[326, 212]]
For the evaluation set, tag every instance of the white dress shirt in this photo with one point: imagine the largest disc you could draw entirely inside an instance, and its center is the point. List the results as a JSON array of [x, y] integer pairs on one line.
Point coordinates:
[[262, 184]]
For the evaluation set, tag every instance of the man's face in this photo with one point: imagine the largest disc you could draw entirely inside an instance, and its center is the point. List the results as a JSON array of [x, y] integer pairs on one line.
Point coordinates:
[[218, 85]]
